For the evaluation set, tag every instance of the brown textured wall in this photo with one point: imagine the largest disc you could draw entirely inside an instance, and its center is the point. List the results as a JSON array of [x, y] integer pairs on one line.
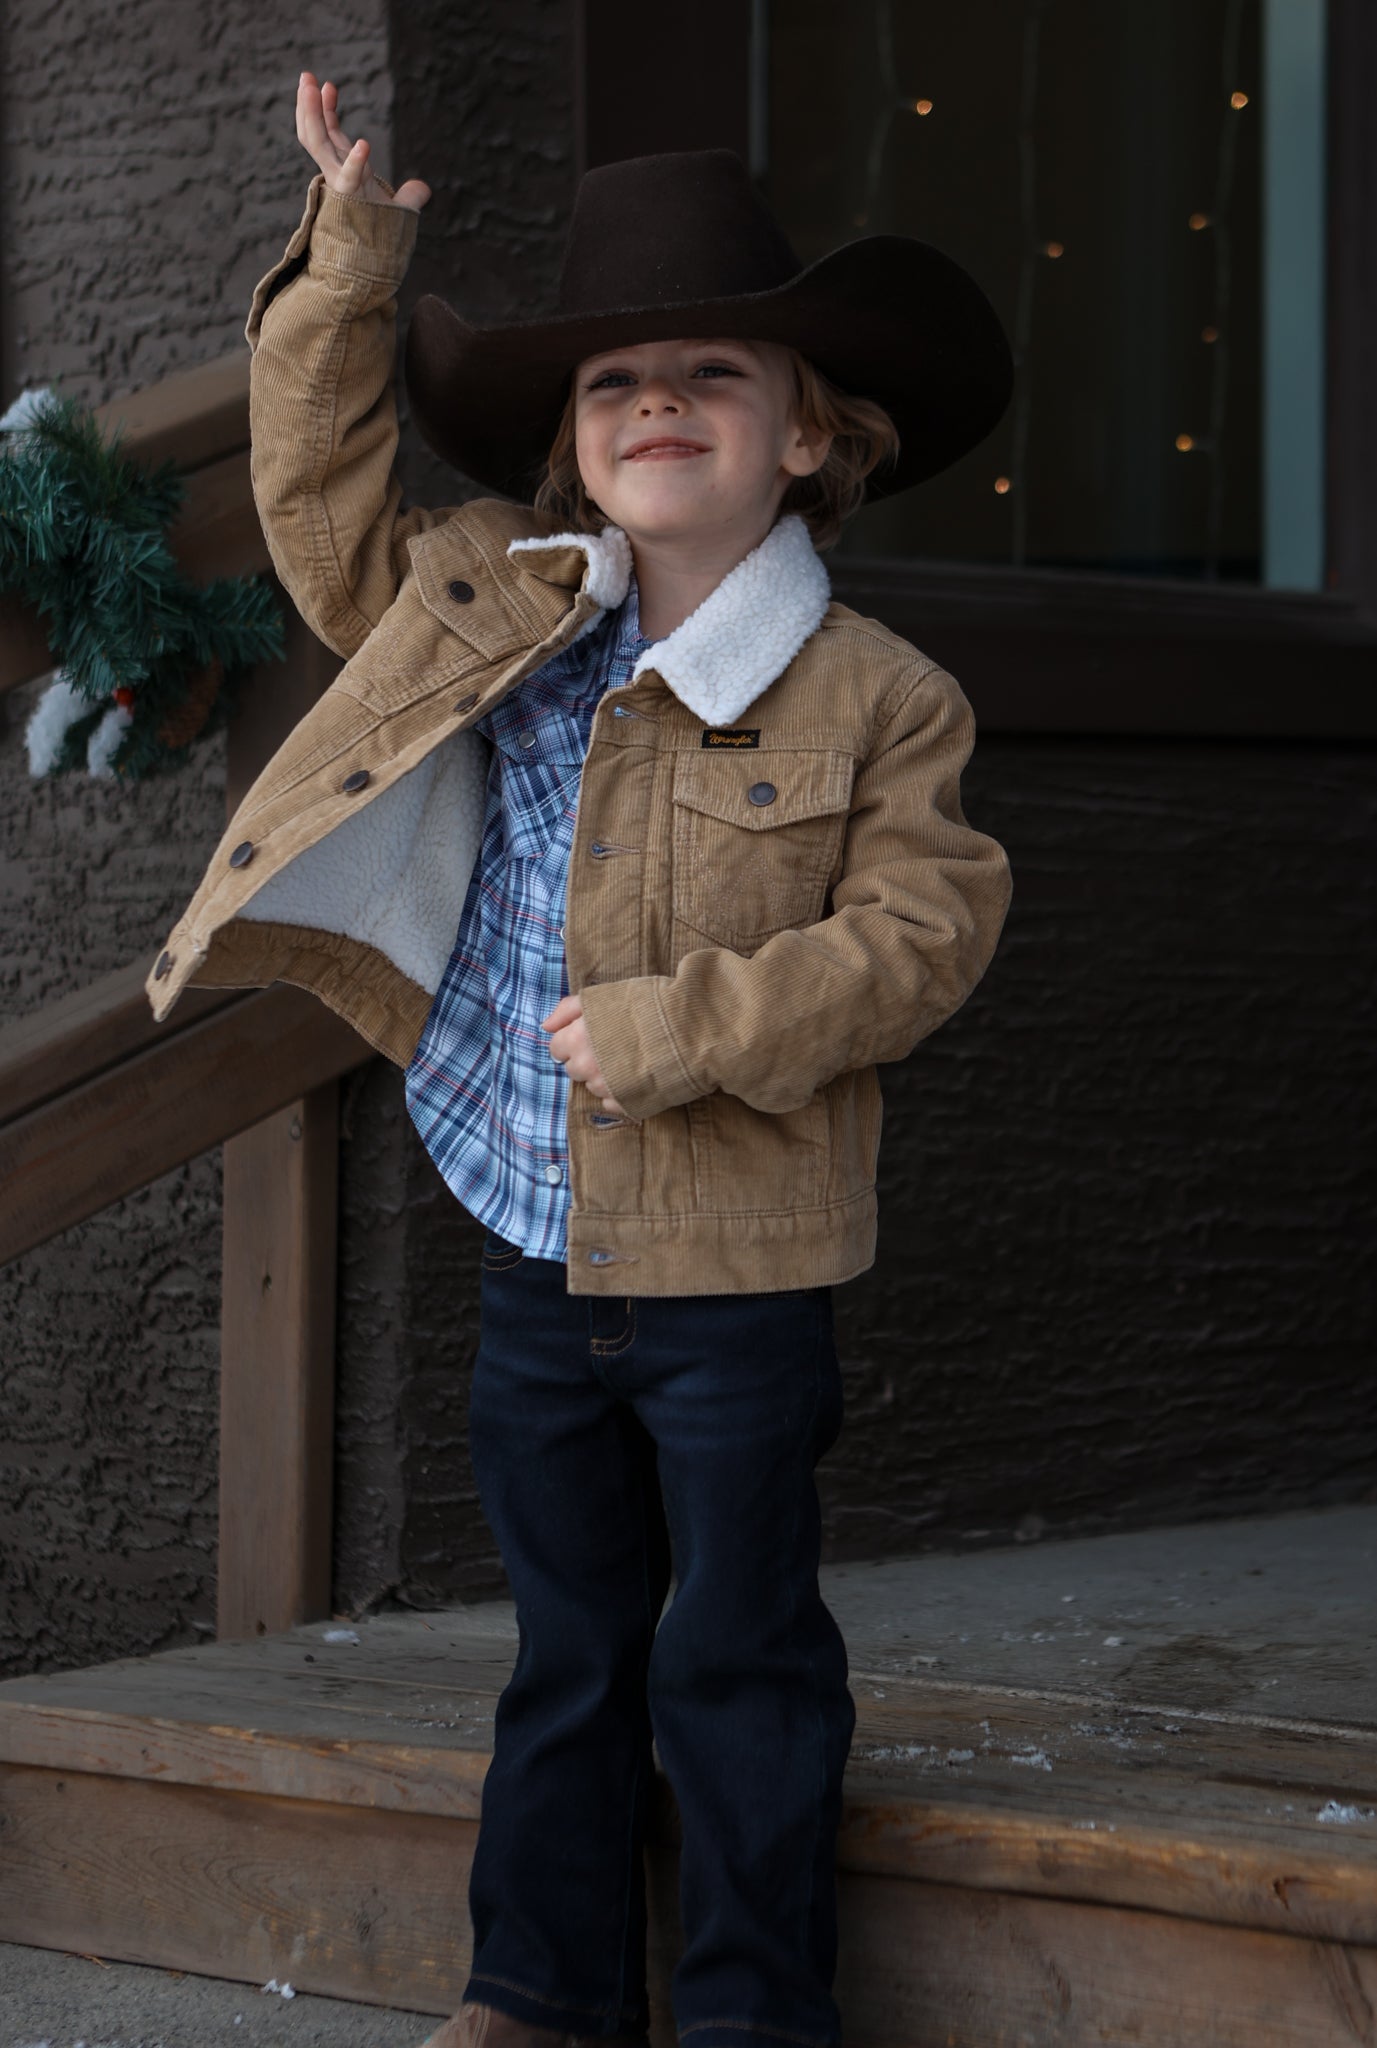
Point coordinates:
[[149, 173], [1125, 1269]]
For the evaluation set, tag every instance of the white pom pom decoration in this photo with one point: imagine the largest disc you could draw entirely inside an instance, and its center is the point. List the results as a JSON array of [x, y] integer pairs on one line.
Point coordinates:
[[104, 741], [21, 414], [60, 706]]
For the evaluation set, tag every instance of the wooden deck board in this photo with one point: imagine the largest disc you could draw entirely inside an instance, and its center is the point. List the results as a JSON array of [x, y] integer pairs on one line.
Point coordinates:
[[1195, 1872], [1056, 1795]]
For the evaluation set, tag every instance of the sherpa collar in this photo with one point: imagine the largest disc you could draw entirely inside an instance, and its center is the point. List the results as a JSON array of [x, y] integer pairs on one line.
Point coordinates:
[[742, 636]]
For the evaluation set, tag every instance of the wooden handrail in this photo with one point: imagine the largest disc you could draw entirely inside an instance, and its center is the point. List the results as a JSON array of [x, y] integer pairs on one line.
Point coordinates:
[[86, 1033], [200, 420], [126, 1125], [191, 417]]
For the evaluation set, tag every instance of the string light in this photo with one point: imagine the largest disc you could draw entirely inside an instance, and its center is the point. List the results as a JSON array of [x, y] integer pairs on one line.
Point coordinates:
[[893, 102], [1216, 332], [1033, 247]]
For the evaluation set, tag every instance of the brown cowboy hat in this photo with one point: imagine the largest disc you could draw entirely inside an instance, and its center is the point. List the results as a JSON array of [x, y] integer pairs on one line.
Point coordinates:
[[667, 247]]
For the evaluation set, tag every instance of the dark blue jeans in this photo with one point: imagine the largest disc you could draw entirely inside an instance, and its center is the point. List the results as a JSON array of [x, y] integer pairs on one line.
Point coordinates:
[[612, 1438]]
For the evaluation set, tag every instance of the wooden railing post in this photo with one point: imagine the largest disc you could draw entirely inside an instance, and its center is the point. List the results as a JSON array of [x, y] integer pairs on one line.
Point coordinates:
[[278, 1302]]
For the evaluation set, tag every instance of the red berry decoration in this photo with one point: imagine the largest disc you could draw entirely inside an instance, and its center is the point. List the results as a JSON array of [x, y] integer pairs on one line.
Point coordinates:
[[124, 697]]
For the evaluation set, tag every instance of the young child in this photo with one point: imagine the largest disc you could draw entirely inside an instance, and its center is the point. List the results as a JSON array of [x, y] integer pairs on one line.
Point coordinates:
[[638, 854]]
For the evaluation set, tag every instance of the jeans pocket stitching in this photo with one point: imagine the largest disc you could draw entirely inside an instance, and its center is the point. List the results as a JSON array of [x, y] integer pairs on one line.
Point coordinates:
[[501, 1263]]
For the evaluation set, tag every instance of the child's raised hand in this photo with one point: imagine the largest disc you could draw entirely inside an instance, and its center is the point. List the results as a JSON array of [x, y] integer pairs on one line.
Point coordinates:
[[344, 163], [573, 1048]]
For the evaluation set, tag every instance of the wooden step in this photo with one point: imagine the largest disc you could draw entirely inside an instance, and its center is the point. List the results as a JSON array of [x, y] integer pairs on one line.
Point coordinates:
[[1058, 1864]]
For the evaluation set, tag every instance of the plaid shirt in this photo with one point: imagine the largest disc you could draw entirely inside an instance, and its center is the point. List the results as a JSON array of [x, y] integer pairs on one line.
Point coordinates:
[[482, 1089]]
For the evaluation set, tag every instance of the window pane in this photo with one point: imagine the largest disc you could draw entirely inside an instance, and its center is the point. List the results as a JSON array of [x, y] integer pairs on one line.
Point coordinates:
[[1137, 185]]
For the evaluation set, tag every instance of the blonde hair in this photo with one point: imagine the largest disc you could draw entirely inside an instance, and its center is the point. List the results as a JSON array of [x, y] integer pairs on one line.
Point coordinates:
[[863, 437]]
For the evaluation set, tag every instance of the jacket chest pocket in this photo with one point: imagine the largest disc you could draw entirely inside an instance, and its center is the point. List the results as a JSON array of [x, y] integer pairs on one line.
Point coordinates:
[[756, 839]]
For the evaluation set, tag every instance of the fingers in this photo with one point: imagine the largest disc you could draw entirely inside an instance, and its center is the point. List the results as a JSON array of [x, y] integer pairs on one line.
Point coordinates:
[[345, 164], [414, 193], [311, 131], [329, 100], [567, 1007]]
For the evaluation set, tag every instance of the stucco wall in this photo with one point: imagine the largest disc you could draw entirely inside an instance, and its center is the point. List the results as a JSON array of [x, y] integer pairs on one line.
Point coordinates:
[[149, 173]]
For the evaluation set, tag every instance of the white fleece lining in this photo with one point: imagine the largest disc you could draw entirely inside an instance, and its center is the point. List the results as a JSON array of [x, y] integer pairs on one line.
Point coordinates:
[[745, 632], [395, 873]]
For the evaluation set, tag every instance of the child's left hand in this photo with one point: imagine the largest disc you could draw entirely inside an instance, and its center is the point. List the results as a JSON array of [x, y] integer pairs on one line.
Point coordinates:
[[573, 1048]]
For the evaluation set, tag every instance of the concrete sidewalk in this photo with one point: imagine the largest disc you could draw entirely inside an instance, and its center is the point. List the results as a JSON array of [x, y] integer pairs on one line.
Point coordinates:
[[52, 2000]]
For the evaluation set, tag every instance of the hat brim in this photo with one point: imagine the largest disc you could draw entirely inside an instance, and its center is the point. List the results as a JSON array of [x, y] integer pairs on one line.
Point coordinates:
[[887, 318]]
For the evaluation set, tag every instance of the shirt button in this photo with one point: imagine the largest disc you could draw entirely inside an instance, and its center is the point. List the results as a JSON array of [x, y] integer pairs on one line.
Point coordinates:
[[467, 703], [620, 711], [527, 739], [352, 783], [461, 592], [762, 792], [554, 1174], [164, 966], [242, 855], [561, 931]]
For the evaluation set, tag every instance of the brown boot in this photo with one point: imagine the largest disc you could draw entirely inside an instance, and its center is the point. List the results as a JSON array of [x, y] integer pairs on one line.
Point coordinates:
[[483, 2026]]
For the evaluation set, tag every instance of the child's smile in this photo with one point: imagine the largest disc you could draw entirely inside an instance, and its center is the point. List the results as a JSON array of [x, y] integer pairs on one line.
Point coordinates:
[[666, 449]]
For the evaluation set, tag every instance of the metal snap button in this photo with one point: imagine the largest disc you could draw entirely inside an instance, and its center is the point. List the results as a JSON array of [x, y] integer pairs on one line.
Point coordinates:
[[527, 739], [762, 792], [242, 855], [461, 592], [358, 780], [164, 966], [561, 931], [554, 1174], [467, 703]]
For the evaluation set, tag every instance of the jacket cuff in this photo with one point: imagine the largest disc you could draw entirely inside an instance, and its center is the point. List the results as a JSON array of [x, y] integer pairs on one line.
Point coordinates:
[[634, 1047], [351, 238]]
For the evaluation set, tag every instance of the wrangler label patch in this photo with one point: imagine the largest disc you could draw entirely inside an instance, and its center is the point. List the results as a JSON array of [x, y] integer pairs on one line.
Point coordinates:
[[731, 736]]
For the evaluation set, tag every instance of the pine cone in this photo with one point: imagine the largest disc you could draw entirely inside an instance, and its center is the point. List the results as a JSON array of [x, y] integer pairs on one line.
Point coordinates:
[[181, 726]]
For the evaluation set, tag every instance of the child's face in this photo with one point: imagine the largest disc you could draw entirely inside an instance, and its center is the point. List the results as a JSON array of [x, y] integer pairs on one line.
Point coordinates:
[[727, 408]]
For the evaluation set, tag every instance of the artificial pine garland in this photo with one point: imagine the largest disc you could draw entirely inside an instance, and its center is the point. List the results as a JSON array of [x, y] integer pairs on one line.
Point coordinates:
[[148, 661]]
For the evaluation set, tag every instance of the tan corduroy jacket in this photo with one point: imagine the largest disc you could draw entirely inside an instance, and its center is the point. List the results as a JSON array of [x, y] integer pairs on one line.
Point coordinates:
[[771, 887]]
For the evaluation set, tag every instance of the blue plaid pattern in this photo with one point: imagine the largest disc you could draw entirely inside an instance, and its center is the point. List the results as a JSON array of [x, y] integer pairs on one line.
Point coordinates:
[[482, 1089]]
